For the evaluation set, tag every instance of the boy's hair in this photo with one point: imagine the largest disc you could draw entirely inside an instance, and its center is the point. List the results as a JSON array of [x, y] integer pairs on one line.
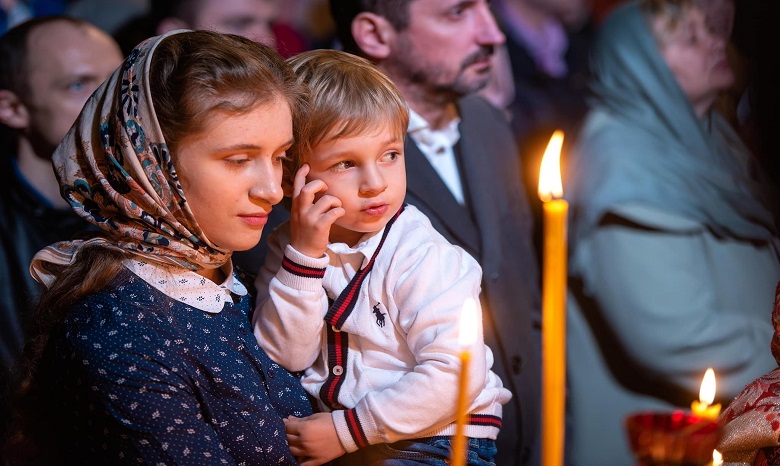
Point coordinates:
[[349, 97]]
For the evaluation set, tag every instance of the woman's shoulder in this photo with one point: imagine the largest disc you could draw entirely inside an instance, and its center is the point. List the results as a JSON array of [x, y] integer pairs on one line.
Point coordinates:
[[127, 305]]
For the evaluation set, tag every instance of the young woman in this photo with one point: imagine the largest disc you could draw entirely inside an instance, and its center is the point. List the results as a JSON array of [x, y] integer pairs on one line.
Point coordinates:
[[145, 351]]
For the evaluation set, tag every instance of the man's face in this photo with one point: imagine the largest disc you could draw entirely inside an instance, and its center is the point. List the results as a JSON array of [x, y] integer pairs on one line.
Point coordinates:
[[447, 48], [248, 18], [65, 64]]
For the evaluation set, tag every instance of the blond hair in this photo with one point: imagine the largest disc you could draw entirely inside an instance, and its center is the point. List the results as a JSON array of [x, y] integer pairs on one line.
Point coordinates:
[[349, 97]]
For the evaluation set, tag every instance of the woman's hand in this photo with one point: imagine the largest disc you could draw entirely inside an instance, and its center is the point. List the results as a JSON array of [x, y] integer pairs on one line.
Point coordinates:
[[312, 215], [313, 439]]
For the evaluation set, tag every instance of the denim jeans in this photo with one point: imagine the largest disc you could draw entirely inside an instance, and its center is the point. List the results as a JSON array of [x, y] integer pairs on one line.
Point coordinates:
[[432, 451]]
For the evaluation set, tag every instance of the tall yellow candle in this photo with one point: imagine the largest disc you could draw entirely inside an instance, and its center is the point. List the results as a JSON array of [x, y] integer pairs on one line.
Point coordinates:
[[467, 336], [553, 304], [704, 407]]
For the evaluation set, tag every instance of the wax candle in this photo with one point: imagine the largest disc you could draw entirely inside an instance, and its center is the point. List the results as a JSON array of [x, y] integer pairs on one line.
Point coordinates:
[[553, 304], [704, 407], [467, 336]]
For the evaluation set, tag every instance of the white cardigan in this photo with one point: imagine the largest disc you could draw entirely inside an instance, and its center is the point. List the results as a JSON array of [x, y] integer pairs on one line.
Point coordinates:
[[402, 366]]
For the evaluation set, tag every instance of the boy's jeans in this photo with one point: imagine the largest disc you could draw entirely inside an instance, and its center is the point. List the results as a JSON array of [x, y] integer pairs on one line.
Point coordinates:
[[431, 451]]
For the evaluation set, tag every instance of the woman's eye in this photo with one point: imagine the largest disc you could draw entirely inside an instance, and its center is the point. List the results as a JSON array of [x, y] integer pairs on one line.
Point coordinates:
[[237, 160]]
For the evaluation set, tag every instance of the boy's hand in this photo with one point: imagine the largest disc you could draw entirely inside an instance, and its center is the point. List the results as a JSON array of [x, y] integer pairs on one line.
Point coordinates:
[[310, 217], [313, 440]]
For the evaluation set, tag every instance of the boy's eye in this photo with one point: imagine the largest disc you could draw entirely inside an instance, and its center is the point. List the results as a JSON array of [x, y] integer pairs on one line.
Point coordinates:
[[392, 156], [343, 165]]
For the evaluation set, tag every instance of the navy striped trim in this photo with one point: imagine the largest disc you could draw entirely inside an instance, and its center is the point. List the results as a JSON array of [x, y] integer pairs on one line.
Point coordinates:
[[355, 429], [340, 310], [484, 420], [302, 270], [338, 342]]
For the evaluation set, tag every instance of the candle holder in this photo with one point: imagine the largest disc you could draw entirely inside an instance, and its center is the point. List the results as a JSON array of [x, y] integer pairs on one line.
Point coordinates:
[[672, 439]]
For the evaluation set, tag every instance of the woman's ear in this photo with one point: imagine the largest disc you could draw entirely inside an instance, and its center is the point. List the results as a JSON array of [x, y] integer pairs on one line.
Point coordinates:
[[373, 34]]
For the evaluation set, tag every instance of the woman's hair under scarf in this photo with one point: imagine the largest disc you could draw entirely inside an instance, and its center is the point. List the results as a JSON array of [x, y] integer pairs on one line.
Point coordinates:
[[115, 170], [642, 143]]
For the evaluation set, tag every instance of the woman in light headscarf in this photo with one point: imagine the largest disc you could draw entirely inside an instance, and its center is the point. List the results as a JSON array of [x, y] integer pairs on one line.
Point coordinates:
[[145, 352], [674, 244]]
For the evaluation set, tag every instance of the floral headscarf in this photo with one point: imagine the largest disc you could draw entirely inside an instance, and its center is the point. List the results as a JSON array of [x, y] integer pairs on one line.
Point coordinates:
[[115, 170], [751, 434]]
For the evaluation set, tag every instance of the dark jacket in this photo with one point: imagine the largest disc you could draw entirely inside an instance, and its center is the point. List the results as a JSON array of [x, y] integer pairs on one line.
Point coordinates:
[[27, 224], [497, 230]]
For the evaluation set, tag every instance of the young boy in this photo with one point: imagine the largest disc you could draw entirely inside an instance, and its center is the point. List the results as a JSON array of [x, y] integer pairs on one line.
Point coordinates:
[[361, 293]]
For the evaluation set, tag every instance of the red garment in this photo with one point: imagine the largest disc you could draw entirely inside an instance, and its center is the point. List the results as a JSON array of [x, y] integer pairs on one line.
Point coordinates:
[[751, 434]]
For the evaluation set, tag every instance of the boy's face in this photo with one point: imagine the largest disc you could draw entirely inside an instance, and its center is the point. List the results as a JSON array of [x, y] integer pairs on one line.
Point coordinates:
[[367, 174]]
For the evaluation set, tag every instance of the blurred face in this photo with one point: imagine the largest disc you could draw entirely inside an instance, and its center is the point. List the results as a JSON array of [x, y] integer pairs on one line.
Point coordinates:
[[696, 57], [231, 172], [65, 64], [447, 47], [367, 174], [248, 18]]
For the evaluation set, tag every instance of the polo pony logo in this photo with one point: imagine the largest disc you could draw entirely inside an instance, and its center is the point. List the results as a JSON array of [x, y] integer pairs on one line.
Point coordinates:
[[380, 316]]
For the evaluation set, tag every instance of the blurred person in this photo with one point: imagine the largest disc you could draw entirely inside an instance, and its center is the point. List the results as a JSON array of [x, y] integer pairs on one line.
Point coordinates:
[[674, 243], [544, 86], [49, 66], [464, 174], [254, 19]]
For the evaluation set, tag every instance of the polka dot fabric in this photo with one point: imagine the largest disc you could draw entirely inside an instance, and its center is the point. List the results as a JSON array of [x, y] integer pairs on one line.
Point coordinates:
[[133, 376]]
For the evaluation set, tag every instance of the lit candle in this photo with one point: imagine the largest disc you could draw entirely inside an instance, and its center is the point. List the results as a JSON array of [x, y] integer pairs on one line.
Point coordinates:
[[553, 304], [467, 336], [717, 458], [704, 407]]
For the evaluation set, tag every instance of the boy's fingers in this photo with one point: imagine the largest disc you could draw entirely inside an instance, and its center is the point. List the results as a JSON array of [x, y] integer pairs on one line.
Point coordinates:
[[300, 179]]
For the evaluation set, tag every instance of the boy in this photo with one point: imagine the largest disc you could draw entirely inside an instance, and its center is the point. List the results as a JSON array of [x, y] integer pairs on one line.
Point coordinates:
[[361, 293]]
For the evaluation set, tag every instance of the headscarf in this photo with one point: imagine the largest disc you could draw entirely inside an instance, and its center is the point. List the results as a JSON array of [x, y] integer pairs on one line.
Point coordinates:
[[752, 420], [642, 143], [115, 170]]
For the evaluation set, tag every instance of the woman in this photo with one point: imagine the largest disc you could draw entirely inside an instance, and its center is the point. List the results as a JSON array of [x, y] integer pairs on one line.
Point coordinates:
[[147, 351], [674, 246]]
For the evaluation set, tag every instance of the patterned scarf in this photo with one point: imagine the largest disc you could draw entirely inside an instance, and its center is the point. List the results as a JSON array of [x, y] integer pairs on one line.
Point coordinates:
[[115, 170], [751, 433]]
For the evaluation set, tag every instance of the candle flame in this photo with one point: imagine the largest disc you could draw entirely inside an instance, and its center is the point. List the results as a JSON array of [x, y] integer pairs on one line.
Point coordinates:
[[550, 185], [707, 391], [468, 323], [717, 458]]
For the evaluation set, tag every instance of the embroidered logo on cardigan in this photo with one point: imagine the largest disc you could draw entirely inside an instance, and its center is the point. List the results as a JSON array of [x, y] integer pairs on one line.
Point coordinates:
[[380, 316]]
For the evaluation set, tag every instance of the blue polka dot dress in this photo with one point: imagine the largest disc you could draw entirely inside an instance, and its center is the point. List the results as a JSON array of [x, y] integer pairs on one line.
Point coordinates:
[[133, 376]]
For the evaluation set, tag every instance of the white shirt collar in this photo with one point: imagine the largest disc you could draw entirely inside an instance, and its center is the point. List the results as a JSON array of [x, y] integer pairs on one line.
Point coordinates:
[[188, 287], [420, 130]]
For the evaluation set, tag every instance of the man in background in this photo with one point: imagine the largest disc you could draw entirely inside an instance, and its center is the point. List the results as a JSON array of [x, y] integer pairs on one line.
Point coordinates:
[[49, 66]]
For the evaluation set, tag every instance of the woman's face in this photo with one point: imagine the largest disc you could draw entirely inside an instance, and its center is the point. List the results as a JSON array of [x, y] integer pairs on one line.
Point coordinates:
[[696, 56], [231, 172]]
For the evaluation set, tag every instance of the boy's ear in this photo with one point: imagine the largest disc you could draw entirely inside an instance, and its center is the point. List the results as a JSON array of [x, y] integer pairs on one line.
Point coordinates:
[[373, 34], [13, 112]]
